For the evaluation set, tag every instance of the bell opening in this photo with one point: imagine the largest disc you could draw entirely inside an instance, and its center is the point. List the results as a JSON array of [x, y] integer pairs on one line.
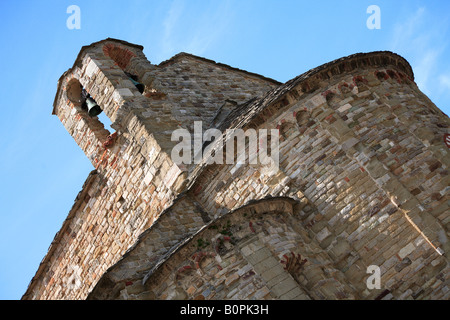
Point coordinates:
[[140, 87], [134, 79]]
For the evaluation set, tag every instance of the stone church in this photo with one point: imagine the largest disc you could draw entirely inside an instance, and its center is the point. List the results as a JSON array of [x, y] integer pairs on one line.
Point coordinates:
[[357, 207]]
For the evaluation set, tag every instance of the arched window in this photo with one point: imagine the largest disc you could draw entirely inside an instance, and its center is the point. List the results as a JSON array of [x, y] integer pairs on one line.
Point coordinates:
[[88, 108], [122, 58]]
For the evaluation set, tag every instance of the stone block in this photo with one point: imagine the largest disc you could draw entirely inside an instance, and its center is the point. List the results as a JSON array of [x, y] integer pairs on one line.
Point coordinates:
[[283, 287], [405, 251]]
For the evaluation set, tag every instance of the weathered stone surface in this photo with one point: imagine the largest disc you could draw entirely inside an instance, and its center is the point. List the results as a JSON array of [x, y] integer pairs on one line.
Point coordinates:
[[362, 180]]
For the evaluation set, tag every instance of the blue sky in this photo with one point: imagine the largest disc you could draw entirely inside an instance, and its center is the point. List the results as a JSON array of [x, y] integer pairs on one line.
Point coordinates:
[[41, 167]]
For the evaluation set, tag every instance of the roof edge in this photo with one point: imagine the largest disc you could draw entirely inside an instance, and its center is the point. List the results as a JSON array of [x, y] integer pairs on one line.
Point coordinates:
[[182, 55], [246, 112]]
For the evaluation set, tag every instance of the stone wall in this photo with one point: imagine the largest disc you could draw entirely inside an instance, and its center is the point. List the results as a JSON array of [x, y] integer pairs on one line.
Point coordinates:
[[362, 180], [347, 159], [368, 152], [251, 253]]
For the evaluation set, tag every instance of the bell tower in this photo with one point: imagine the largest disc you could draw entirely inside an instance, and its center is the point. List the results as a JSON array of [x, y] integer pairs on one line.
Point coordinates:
[[135, 179], [106, 77]]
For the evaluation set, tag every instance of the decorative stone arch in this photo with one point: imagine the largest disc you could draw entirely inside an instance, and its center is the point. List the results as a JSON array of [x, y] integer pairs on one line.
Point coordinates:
[[287, 129], [248, 234], [331, 97], [361, 83], [217, 240], [381, 75], [304, 120], [345, 88], [241, 235]]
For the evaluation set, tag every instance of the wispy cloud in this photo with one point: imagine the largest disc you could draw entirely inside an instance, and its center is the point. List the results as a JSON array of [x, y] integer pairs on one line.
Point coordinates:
[[193, 32], [422, 39], [444, 82], [211, 28], [169, 24], [405, 30], [424, 68]]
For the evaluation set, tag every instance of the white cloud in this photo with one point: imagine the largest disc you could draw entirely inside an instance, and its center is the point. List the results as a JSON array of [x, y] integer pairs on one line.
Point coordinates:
[[169, 24], [212, 26], [424, 67], [422, 40], [444, 82], [404, 32], [185, 29]]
